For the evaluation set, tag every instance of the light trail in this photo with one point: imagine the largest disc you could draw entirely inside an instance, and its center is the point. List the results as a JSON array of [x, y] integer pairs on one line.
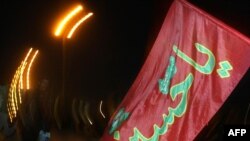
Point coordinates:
[[23, 67], [78, 24], [100, 108], [82, 112], [10, 102], [89, 120], [66, 19], [14, 95], [9, 112], [15, 87], [86, 108], [28, 71], [18, 91], [9, 105]]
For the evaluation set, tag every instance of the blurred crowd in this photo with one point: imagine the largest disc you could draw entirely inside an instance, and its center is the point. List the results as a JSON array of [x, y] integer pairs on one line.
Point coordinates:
[[45, 116]]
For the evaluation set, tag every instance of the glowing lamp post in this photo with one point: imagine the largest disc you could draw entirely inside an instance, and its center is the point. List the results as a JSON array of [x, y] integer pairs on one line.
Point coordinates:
[[63, 30], [68, 18]]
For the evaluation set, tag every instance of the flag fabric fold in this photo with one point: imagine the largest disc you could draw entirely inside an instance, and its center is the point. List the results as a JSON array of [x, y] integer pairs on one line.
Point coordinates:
[[194, 65]]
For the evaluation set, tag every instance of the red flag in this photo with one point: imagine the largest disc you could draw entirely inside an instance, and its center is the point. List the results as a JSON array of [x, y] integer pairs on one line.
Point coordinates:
[[194, 65]]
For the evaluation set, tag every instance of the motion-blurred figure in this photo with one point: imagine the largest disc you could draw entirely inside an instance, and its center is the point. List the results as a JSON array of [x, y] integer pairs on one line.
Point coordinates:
[[44, 102]]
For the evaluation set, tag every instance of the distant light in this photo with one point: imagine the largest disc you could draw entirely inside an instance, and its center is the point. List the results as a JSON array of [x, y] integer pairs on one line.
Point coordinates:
[[66, 19], [100, 107], [78, 24], [28, 72]]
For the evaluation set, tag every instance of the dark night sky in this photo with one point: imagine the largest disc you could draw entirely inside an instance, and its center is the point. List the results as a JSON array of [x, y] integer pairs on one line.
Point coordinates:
[[107, 51]]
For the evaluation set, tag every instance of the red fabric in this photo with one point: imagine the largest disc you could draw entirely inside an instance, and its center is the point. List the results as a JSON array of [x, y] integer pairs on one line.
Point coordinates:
[[184, 26]]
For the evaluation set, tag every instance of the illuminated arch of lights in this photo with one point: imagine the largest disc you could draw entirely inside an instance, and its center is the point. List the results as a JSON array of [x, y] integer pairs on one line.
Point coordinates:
[[17, 86]]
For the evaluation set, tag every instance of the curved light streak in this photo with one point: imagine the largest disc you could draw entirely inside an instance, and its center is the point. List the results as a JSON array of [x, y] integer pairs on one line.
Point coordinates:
[[15, 87], [20, 86], [87, 113], [66, 19], [81, 111], [89, 120], [9, 111], [23, 67], [56, 114], [71, 32], [12, 99], [74, 111], [19, 91], [14, 95], [28, 71], [100, 108]]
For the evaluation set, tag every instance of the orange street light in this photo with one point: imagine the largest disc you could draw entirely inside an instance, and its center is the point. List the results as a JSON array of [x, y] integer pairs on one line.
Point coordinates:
[[65, 20], [78, 24]]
